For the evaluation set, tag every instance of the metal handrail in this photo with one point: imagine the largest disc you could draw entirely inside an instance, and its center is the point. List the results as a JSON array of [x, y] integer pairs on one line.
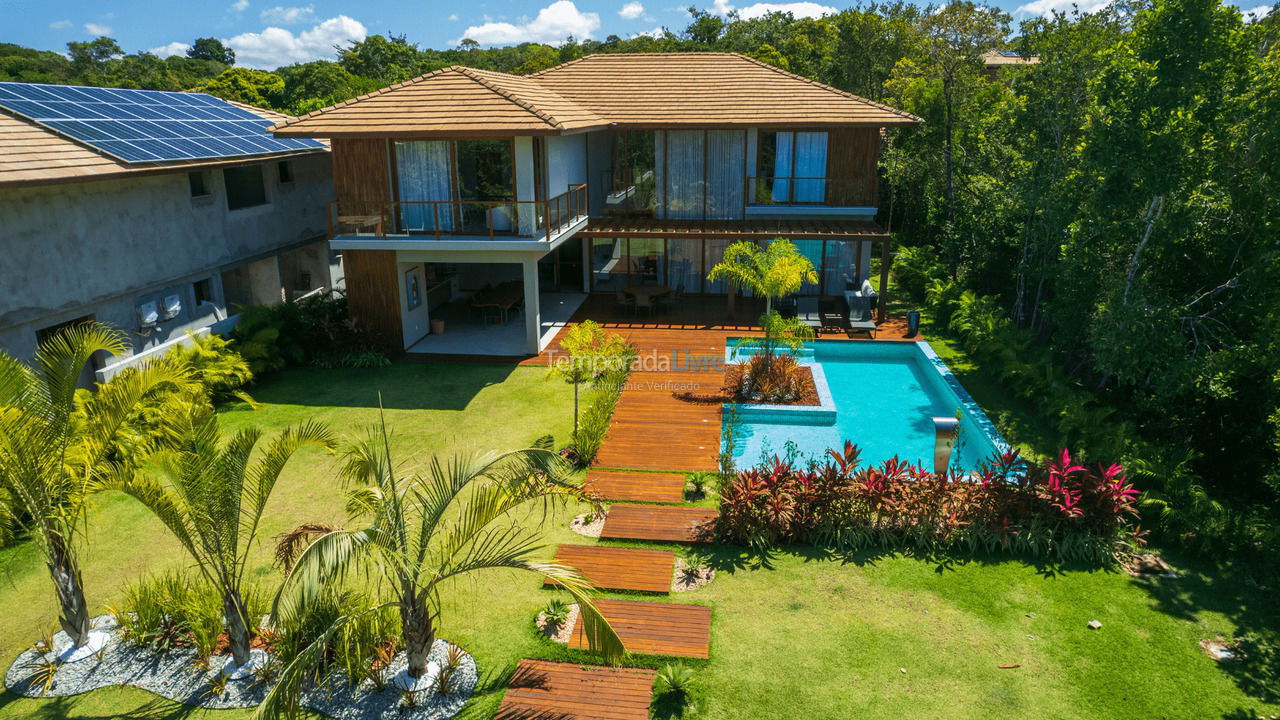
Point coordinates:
[[383, 215]]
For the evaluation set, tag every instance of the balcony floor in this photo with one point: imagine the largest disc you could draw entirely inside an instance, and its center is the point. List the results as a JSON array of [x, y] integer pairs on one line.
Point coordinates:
[[465, 334]]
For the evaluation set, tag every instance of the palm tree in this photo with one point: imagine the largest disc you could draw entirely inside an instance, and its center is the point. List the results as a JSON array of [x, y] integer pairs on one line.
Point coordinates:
[[421, 531], [777, 271], [52, 448], [211, 498]]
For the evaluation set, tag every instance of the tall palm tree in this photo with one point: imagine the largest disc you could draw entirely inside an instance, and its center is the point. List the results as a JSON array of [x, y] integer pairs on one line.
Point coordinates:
[[52, 448], [210, 496], [774, 272], [421, 531]]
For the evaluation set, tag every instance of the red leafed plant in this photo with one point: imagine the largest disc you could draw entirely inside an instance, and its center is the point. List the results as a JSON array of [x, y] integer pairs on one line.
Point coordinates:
[[1060, 509]]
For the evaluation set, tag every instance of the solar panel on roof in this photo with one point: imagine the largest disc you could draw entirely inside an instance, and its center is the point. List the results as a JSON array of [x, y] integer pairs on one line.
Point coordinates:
[[1009, 53], [144, 126]]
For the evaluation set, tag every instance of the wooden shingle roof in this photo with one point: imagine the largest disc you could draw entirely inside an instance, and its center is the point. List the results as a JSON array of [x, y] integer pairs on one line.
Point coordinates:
[[631, 90], [709, 90], [455, 100], [34, 155]]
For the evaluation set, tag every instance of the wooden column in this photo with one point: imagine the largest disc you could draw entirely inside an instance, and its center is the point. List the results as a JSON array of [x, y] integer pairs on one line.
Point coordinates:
[[885, 259]]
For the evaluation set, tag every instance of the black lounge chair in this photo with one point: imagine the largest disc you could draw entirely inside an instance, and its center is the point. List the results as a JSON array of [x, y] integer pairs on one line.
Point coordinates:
[[861, 318], [808, 313]]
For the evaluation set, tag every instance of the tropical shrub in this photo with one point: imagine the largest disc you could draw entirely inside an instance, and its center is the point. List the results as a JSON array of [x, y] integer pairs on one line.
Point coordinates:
[[315, 329], [220, 370], [167, 611], [1059, 510], [914, 268], [599, 402]]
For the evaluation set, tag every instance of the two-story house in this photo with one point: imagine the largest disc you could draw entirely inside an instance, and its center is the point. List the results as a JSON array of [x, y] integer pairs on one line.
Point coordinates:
[[155, 212], [597, 175]]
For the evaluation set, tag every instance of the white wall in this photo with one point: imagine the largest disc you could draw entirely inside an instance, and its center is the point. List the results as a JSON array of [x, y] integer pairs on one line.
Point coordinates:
[[415, 323]]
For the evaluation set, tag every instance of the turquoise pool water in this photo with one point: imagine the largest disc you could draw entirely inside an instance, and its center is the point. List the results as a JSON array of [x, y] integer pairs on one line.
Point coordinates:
[[882, 397]]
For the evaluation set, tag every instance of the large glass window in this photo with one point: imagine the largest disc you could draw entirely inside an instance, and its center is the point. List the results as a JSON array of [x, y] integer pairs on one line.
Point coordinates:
[[485, 174], [792, 168], [631, 188], [684, 168], [478, 172]]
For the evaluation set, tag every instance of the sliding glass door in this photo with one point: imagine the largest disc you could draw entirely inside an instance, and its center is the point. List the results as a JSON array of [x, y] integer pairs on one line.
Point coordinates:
[[473, 180]]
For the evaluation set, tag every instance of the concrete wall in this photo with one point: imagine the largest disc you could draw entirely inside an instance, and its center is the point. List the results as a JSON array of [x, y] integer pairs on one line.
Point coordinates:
[[566, 163], [102, 248]]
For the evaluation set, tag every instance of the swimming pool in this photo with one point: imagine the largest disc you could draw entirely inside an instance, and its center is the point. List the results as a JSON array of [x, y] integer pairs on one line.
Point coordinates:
[[882, 396]]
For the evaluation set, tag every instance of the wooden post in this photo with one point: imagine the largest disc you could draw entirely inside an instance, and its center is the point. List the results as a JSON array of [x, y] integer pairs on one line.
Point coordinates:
[[857, 263], [885, 259]]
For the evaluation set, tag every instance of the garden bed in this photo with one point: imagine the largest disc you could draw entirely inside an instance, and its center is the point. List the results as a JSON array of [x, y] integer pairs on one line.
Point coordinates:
[[808, 395], [174, 674]]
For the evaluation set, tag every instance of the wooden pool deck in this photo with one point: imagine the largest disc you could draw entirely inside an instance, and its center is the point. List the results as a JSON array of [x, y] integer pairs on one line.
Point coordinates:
[[635, 487], [614, 568], [648, 628], [567, 691], [652, 523]]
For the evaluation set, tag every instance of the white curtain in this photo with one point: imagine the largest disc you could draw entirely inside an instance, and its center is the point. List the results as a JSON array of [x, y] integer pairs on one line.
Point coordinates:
[[726, 167], [685, 164], [811, 167], [424, 175], [684, 264]]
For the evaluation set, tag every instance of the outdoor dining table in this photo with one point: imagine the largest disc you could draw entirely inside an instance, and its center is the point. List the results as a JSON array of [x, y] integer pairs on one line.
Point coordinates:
[[649, 291], [504, 297]]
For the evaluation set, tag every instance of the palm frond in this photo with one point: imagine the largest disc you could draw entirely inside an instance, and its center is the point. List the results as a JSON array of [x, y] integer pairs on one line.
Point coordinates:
[[325, 561]]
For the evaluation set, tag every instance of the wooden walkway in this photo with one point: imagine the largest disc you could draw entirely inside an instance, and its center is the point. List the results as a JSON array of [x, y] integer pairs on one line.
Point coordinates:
[[648, 628], [635, 487], [628, 569], [668, 416], [567, 691], [659, 524]]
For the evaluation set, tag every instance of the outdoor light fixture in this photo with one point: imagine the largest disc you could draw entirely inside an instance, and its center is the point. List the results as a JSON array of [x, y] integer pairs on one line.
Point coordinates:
[[945, 430]]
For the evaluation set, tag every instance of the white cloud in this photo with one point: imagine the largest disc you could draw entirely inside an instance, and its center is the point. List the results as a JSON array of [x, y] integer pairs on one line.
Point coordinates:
[[240, 5], [656, 33], [60, 25], [1256, 14], [798, 9], [97, 29], [1046, 8], [631, 11], [554, 24], [289, 15], [173, 48], [275, 46], [453, 17]]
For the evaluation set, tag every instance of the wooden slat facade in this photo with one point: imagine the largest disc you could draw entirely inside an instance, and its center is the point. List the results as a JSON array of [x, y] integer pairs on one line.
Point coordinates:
[[627, 569], [373, 294], [542, 690], [655, 523], [635, 487], [853, 156], [649, 628]]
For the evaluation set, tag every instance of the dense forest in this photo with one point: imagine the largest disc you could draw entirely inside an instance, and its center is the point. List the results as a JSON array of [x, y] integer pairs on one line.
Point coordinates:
[[1101, 228]]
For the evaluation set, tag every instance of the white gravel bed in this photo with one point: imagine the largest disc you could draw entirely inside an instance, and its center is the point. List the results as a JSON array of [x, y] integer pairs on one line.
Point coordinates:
[[589, 529], [173, 675]]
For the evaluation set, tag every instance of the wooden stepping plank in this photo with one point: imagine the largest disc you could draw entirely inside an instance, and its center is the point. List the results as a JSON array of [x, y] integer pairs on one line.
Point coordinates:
[[635, 487], [566, 691], [660, 524], [610, 568], [648, 628]]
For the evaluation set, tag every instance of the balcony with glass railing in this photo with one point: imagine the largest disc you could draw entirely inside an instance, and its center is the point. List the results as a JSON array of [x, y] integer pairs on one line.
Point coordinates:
[[367, 223]]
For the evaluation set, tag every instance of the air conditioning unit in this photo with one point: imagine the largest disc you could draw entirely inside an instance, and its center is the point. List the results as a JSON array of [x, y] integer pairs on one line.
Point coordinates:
[[148, 315], [172, 306]]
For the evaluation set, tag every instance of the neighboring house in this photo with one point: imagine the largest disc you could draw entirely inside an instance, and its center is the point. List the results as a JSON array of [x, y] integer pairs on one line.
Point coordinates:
[[115, 210], [606, 172], [994, 60]]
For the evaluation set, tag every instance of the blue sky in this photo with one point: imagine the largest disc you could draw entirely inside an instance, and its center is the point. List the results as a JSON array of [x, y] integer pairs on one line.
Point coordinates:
[[269, 33]]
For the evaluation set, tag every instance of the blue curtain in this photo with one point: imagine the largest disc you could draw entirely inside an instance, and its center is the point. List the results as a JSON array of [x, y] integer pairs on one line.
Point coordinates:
[[811, 167], [424, 175]]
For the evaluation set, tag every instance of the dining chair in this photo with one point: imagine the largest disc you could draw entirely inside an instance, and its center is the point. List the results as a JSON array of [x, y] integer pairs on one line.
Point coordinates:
[[625, 301], [644, 302]]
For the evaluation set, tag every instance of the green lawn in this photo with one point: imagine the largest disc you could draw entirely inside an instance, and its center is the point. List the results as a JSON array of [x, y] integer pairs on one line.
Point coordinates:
[[795, 635]]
